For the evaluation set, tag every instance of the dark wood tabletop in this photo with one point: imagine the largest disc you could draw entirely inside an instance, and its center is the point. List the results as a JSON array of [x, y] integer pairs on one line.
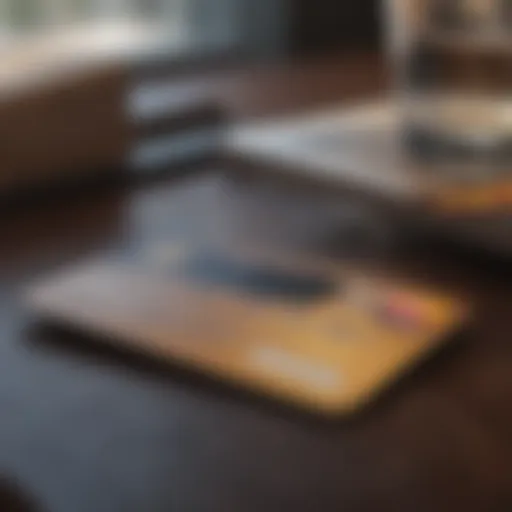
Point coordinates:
[[86, 429]]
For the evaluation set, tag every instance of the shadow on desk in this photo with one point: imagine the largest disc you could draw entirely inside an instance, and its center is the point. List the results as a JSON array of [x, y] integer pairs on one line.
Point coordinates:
[[14, 499], [62, 341]]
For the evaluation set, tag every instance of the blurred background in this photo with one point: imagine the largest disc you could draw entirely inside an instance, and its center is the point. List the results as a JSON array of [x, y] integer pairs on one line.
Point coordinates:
[[147, 45], [263, 27]]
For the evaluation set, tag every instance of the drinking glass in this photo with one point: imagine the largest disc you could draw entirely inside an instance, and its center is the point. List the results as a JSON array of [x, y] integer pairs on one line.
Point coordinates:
[[453, 68]]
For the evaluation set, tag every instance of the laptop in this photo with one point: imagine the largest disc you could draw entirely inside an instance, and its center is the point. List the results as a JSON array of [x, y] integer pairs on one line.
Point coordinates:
[[356, 149]]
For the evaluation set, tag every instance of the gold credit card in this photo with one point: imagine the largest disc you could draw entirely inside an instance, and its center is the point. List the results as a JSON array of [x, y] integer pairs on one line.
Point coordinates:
[[473, 198], [311, 334]]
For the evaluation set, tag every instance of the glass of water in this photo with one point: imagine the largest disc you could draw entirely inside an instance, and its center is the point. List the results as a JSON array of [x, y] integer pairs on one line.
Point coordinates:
[[453, 62]]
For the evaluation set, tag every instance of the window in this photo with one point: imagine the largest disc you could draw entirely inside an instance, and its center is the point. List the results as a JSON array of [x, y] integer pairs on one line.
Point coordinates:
[[101, 28], [21, 15], [187, 26], [23, 18]]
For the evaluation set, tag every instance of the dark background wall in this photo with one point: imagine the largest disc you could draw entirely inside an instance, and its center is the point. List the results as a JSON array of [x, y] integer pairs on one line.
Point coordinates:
[[325, 25], [267, 28]]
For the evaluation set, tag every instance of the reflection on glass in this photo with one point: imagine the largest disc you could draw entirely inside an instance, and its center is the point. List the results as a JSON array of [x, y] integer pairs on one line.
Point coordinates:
[[455, 62]]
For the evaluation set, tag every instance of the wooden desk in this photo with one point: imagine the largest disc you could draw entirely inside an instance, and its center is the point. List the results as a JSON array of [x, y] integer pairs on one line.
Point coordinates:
[[85, 430]]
